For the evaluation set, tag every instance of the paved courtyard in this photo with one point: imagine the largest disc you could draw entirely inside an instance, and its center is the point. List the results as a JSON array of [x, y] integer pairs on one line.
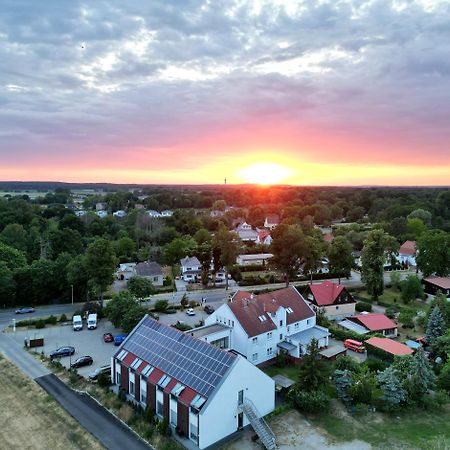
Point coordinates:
[[86, 342]]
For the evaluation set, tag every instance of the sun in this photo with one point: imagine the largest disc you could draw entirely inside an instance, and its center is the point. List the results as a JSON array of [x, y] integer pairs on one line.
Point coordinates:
[[265, 173]]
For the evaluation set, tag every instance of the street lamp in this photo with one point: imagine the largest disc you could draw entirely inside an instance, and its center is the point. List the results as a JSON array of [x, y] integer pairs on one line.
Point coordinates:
[[72, 292]]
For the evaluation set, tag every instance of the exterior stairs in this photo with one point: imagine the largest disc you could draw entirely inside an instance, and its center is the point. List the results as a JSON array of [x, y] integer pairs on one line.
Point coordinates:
[[260, 426]]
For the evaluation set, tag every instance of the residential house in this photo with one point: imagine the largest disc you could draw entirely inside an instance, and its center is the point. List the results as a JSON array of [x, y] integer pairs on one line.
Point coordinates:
[[154, 214], [80, 213], [152, 271], [167, 213], [100, 206], [246, 233], [333, 299], [191, 269], [259, 259], [264, 238], [433, 285], [126, 271], [102, 214], [264, 325], [370, 322], [272, 221], [407, 253], [216, 213], [203, 392], [120, 214]]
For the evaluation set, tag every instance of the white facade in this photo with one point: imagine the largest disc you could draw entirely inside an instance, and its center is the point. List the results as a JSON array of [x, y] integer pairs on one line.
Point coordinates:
[[102, 214], [120, 214], [258, 258], [264, 347]]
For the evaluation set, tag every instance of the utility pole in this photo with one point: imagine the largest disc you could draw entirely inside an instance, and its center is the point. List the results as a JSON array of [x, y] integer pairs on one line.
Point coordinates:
[[72, 292]]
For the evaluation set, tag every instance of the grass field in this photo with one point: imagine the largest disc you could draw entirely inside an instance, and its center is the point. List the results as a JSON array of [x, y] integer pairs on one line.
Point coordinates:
[[405, 430], [31, 419]]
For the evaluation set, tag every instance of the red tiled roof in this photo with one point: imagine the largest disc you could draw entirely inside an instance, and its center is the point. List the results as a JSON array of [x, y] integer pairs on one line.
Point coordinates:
[[171, 385], [155, 375], [263, 234], [141, 367], [187, 396], [128, 359], [408, 248], [442, 282], [248, 308], [326, 293], [374, 322], [390, 346]]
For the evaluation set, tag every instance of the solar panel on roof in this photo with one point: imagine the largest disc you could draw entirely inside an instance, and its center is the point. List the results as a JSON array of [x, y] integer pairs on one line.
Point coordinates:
[[193, 362]]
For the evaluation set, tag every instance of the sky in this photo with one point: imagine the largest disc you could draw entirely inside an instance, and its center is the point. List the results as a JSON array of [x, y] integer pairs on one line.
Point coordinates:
[[340, 92]]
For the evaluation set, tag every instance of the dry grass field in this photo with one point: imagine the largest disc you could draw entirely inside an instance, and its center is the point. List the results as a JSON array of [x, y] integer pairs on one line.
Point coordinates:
[[31, 419]]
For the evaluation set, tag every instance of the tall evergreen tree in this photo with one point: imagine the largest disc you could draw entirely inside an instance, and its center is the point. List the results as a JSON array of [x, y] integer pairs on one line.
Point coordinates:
[[344, 381], [313, 371], [393, 392], [436, 325], [421, 378]]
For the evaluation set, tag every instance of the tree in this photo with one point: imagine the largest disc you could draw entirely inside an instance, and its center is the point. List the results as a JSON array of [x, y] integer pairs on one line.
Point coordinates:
[[77, 276], [13, 258], [421, 377], [411, 288], [228, 244], [395, 280], [393, 392], [433, 253], [219, 205], [140, 287], [178, 249], [202, 236], [441, 301], [288, 247], [364, 388], [343, 381], [124, 248], [204, 255], [7, 286], [313, 254], [444, 377], [132, 317], [15, 236], [340, 257], [118, 306], [313, 371], [64, 241], [373, 259], [436, 325], [100, 264], [415, 228], [346, 362], [422, 214]]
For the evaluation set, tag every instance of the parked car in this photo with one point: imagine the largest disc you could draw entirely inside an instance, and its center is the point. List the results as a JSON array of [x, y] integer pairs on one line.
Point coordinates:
[[82, 361], [119, 338], [104, 369], [62, 351], [190, 312], [25, 310], [208, 309], [108, 337]]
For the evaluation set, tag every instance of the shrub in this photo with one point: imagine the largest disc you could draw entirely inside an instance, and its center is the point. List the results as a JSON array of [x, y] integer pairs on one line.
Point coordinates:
[[122, 395], [52, 320], [309, 401], [363, 306], [163, 428], [375, 365], [346, 362], [40, 324], [193, 304], [63, 318], [148, 433], [391, 311], [149, 415], [161, 305], [406, 317], [182, 326], [168, 281], [104, 380], [170, 311]]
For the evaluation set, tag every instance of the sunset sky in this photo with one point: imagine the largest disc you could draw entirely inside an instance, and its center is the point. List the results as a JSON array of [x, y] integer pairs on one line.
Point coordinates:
[[265, 91]]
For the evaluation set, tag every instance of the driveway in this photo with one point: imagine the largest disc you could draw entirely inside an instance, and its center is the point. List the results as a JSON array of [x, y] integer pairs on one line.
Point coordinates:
[[111, 432]]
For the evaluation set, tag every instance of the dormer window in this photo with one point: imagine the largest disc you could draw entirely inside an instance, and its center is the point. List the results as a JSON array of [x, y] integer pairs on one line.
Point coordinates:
[[262, 318], [289, 310]]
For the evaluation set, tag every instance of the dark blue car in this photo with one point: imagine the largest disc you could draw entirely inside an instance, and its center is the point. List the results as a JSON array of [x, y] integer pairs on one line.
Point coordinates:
[[119, 338]]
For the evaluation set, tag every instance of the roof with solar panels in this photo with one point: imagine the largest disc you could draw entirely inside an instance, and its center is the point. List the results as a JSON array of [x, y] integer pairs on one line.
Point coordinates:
[[189, 368]]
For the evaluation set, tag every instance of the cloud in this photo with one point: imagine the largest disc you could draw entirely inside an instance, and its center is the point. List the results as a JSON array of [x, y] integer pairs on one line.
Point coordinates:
[[177, 82]]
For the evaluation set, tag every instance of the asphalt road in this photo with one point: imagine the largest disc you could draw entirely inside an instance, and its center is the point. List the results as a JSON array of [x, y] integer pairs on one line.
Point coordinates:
[[96, 419]]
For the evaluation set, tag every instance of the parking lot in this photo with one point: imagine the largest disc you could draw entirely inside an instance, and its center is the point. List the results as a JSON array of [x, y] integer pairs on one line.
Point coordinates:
[[171, 319], [86, 342]]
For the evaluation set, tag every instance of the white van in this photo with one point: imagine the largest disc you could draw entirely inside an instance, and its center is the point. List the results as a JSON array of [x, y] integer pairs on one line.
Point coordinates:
[[92, 321], [77, 323]]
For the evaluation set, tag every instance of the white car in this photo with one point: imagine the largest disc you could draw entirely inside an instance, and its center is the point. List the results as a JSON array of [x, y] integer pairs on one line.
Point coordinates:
[[190, 312]]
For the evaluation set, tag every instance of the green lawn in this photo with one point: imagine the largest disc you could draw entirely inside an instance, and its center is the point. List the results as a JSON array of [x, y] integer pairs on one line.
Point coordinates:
[[288, 371], [418, 429]]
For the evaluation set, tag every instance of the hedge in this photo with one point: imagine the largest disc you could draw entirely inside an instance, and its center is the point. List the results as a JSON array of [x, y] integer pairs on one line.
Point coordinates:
[[363, 306]]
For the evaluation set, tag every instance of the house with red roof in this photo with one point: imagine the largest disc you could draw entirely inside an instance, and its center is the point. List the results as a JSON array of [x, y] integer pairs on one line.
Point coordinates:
[[203, 392], [371, 323], [271, 221], [333, 299], [433, 285], [264, 238], [407, 253], [264, 325], [390, 347]]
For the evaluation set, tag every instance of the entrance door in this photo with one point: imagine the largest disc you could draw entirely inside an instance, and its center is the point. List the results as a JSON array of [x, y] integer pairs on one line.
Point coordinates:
[[240, 421]]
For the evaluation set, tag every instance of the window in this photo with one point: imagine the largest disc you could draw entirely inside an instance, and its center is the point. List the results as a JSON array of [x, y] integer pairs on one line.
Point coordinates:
[[308, 321], [269, 335], [270, 351], [255, 340], [289, 310], [296, 326], [281, 323], [159, 408], [288, 328], [232, 323], [255, 357], [143, 397], [131, 388], [173, 417], [240, 397], [337, 307], [118, 377], [262, 318], [155, 279], [281, 337], [194, 432]]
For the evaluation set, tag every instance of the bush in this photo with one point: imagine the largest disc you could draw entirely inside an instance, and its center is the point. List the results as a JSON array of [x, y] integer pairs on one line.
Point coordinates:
[[164, 428], [375, 365], [104, 379], [182, 326], [346, 362], [63, 318], [161, 305], [309, 401], [363, 306], [52, 320], [170, 311], [122, 395], [148, 433], [149, 415], [168, 281], [406, 317], [193, 304], [40, 324], [391, 311]]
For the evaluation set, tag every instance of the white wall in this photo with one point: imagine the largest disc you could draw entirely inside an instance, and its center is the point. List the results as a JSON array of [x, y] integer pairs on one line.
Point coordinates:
[[219, 416]]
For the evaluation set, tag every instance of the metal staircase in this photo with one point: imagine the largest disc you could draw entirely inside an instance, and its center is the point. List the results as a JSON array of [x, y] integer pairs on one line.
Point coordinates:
[[260, 426]]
